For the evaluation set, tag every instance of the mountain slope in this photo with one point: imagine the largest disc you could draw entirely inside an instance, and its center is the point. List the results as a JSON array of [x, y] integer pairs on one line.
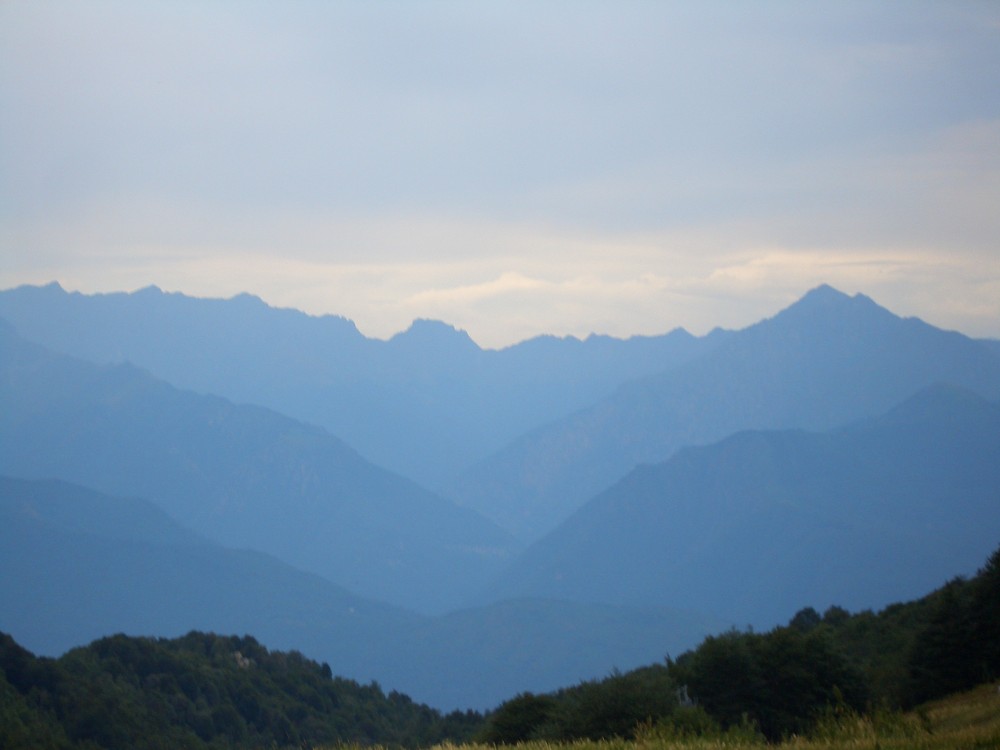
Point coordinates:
[[241, 475], [767, 521], [535, 644], [78, 565], [828, 359], [201, 691], [427, 403]]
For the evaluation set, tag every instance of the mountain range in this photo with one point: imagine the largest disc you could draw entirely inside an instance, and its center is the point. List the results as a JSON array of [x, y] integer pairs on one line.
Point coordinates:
[[827, 360], [427, 404], [79, 564], [242, 475], [174, 463], [762, 522]]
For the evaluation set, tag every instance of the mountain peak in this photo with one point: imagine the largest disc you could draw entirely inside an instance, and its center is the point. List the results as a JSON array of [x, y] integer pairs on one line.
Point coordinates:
[[248, 300], [824, 301], [52, 288], [435, 334], [824, 293], [827, 297]]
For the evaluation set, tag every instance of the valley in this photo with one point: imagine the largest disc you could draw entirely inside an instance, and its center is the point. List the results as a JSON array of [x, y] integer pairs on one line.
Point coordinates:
[[669, 487]]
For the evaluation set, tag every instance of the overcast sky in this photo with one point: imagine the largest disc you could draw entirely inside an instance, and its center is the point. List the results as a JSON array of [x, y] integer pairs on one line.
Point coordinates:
[[511, 168]]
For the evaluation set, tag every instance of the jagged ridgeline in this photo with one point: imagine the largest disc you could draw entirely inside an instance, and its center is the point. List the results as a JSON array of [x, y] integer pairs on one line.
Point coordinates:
[[151, 483], [201, 691]]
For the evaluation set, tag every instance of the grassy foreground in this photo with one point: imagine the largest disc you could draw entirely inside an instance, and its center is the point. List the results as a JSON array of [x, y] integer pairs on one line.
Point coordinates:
[[967, 721]]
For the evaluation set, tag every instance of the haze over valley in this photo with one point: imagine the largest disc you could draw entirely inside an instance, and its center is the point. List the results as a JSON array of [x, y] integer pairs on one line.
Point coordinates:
[[617, 500], [405, 374]]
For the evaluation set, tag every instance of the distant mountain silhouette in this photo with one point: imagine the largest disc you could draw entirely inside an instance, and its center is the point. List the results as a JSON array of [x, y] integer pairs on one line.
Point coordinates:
[[242, 475], [764, 522], [826, 360], [781, 505], [78, 565], [428, 403], [513, 646], [434, 342]]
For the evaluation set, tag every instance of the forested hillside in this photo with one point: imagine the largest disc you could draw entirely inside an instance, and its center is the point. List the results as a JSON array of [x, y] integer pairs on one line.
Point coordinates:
[[204, 690], [782, 681], [200, 691]]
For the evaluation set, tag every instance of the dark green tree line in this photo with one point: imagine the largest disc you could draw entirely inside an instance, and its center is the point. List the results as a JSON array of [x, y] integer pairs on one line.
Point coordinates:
[[201, 691], [783, 680]]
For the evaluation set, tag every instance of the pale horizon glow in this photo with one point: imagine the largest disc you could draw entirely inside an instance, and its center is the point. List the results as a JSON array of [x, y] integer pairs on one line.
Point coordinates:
[[511, 168]]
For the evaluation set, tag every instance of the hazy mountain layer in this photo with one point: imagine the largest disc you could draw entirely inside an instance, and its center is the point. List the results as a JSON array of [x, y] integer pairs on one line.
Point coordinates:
[[241, 475], [766, 521], [427, 404], [825, 361], [78, 565], [750, 528]]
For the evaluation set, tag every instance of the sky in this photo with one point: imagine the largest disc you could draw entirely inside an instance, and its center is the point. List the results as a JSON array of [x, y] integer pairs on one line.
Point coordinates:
[[512, 168]]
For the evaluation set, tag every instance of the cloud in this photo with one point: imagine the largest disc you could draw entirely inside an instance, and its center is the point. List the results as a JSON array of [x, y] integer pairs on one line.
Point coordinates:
[[513, 168], [505, 284]]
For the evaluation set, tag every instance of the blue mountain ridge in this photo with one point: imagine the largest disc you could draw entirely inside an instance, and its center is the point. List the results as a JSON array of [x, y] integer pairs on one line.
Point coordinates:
[[242, 475], [80, 565], [826, 360], [764, 522], [425, 404], [776, 395]]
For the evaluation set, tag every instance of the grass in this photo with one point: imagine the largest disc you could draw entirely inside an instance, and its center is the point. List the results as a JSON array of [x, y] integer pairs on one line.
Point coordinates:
[[967, 721]]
